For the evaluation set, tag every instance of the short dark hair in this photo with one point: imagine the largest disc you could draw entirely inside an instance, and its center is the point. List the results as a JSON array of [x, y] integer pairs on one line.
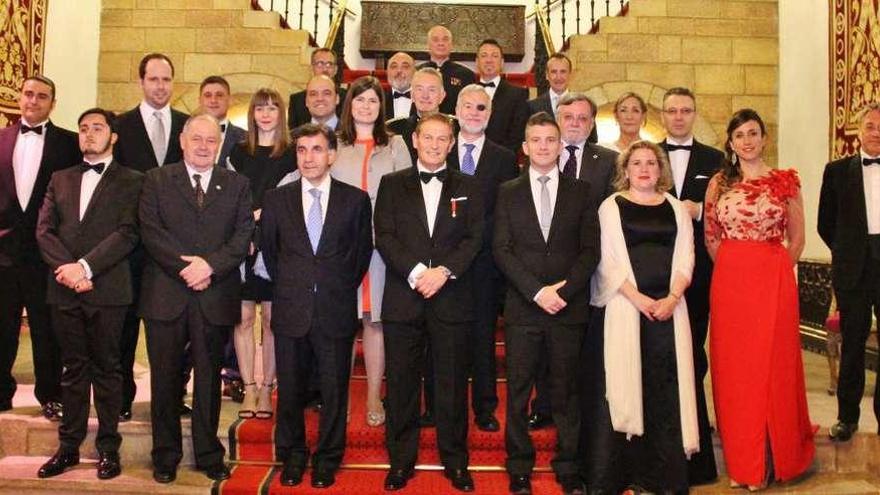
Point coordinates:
[[493, 42], [542, 119], [142, 67], [435, 117], [310, 129], [322, 50], [43, 79], [680, 91], [561, 56], [214, 80], [109, 117]]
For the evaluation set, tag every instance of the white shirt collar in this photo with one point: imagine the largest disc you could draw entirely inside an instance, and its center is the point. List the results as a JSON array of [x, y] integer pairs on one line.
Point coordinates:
[[323, 186], [106, 160], [440, 62], [865, 155], [478, 143], [687, 142], [205, 176], [147, 112], [331, 122], [580, 145], [25, 122], [554, 94], [553, 174], [421, 168], [496, 80]]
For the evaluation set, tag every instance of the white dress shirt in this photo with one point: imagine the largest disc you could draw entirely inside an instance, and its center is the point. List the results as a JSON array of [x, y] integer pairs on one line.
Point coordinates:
[[871, 179], [402, 104], [431, 197], [491, 89], [554, 99], [478, 149], [332, 122], [90, 180], [150, 120], [205, 177], [26, 158], [308, 199], [578, 153], [678, 161]]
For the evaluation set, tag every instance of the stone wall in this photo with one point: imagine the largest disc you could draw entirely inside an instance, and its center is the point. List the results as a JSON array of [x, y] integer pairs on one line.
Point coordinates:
[[726, 51], [202, 37]]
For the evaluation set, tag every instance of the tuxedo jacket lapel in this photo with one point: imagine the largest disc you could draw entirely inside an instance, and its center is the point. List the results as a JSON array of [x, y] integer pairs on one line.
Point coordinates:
[[45, 172], [216, 187], [414, 197], [184, 185], [442, 218], [105, 182], [145, 135], [857, 193], [529, 208], [335, 213]]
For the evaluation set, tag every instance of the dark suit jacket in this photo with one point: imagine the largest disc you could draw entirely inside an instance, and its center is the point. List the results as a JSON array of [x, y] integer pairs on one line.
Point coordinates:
[[234, 136], [336, 270], [104, 238], [297, 112], [402, 238], [507, 124], [455, 77], [702, 165], [541, 103], [405, 127], [571, 252], [389, 106], [133, 148], [496, 165], [18, 241], [597, 169], [843, 221], [172, 225]]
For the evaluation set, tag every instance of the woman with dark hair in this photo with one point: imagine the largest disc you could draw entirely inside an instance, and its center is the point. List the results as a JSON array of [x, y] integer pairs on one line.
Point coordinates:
[[631, 113], [265, 157], [639, 408], [365, 153], [755, 234]]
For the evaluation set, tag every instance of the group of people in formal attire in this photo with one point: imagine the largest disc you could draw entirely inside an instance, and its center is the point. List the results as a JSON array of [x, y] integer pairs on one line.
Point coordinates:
[[403, 213]]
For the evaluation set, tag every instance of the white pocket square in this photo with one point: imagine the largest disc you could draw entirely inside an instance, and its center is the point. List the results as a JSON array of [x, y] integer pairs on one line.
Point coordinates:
[[460, 198], [701, 177]]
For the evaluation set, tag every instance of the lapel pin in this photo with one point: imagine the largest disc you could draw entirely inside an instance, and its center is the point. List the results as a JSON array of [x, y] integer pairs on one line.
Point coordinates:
[[217, 187], [595, 157]]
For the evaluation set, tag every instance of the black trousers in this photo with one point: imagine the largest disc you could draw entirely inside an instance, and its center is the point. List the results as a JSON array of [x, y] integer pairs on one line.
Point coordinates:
[[404, 344], [526, 346], [89, 338], [481, 339], [856, 306], [701, 466], [296, 358], [166, 342], [24, 286], [131, 329]]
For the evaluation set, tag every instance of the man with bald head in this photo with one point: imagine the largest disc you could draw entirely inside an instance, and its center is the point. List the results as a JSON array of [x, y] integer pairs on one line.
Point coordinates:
[[398, 99], [324, 63], [455, 75], [196, 225], [427, 94], [322, 101]]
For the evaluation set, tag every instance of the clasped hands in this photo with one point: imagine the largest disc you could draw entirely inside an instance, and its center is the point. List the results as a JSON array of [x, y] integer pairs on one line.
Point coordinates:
[[656, 309], [549, 299], [430, 281], [73, 276], [197, 274]]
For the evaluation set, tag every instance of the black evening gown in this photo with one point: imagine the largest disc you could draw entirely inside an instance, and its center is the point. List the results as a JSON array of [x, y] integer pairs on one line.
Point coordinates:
[[655, 461]]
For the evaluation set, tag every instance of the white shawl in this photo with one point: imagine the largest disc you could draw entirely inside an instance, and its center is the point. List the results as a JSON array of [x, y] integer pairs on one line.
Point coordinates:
[[622, 349]]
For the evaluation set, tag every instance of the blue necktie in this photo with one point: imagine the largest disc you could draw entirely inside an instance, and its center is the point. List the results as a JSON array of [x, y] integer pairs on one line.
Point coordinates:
[[314, 223], [467, 164]]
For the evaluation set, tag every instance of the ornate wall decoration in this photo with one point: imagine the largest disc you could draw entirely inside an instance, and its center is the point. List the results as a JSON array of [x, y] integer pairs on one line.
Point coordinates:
[[22, 38], [855, 68]]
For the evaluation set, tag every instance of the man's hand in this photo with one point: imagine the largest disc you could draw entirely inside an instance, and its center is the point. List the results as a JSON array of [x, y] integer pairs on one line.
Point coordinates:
[[200, 286], [196, 272], [693, 209], [83, 285], [69, 274], [549, 300], [430, 281], [257, 214]]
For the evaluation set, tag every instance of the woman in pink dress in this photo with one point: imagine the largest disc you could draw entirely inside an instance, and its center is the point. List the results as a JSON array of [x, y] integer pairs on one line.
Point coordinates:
[[755, 234]]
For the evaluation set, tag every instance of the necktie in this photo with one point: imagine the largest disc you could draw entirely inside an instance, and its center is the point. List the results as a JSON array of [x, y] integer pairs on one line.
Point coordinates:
[[870, 161], [467, 163], [157, 138], [222, 128], [678, 147], [571, 165], [200, 193], [314, 222], [98, 168], [427, 176], [546, 216], [405, 94], [36, 130], [490, 84]]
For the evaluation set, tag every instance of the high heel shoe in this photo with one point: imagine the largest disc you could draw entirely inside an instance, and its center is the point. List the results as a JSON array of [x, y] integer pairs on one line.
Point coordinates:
[[264, 403], [249, 403]]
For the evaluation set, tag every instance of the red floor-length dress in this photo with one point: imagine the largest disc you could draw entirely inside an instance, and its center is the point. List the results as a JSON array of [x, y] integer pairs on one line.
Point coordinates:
[[757, 373]]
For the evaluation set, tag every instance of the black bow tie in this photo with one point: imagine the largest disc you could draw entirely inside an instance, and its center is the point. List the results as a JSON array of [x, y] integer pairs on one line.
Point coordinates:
[[490, 84], [870, 161], [97, 168], [676, 147], [36, 130], [222, 128], [405, 94], [427, 176]]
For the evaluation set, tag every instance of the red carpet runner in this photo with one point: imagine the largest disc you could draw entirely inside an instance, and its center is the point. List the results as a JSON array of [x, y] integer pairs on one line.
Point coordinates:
[[365, 463]]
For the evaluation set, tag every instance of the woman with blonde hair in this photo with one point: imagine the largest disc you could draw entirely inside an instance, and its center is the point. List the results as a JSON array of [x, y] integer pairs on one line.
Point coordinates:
[[631, 114]]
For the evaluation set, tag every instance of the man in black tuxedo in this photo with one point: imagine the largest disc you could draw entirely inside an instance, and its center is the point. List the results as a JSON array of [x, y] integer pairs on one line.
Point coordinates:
[[455, 75], [398, 97], [475, 154], [429, 227], [849, 223], [149, 137], [196, 225], [427, 94], [547, 245], [214, 99], [558, 74], [693, 165], [324, 63], [317, 256], [588, 162], [30, 151], [509, 102], [86, 230]]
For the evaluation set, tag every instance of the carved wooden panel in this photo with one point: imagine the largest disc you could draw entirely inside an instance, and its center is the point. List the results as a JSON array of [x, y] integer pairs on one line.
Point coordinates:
[[22, 35]]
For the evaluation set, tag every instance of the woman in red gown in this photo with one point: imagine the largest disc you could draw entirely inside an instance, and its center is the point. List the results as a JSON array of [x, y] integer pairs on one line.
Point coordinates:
[[755, 234]]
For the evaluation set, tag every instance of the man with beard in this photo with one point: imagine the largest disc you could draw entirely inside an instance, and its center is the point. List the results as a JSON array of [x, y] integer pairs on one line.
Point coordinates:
[[398, 98]]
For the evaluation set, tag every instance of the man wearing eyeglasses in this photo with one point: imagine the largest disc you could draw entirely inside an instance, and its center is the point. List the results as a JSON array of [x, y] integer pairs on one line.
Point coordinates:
[[693, 164], [323, 64]]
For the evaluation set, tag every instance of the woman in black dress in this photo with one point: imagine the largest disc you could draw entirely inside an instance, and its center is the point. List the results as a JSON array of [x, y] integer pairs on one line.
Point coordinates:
[[265, 157], [640, 412]]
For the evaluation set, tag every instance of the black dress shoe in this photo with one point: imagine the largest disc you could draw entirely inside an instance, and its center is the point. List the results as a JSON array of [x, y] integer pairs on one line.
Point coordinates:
[[185, 410], [572, 485], [292, 474], [218, 472], [460, 478], [843, 432], [53, 411], [426, 420], [163, 475], [323, 478], [396, 479], [125, 415], [488, 423], [108, 465], [58, 463], [538, 421], [521, 485]]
